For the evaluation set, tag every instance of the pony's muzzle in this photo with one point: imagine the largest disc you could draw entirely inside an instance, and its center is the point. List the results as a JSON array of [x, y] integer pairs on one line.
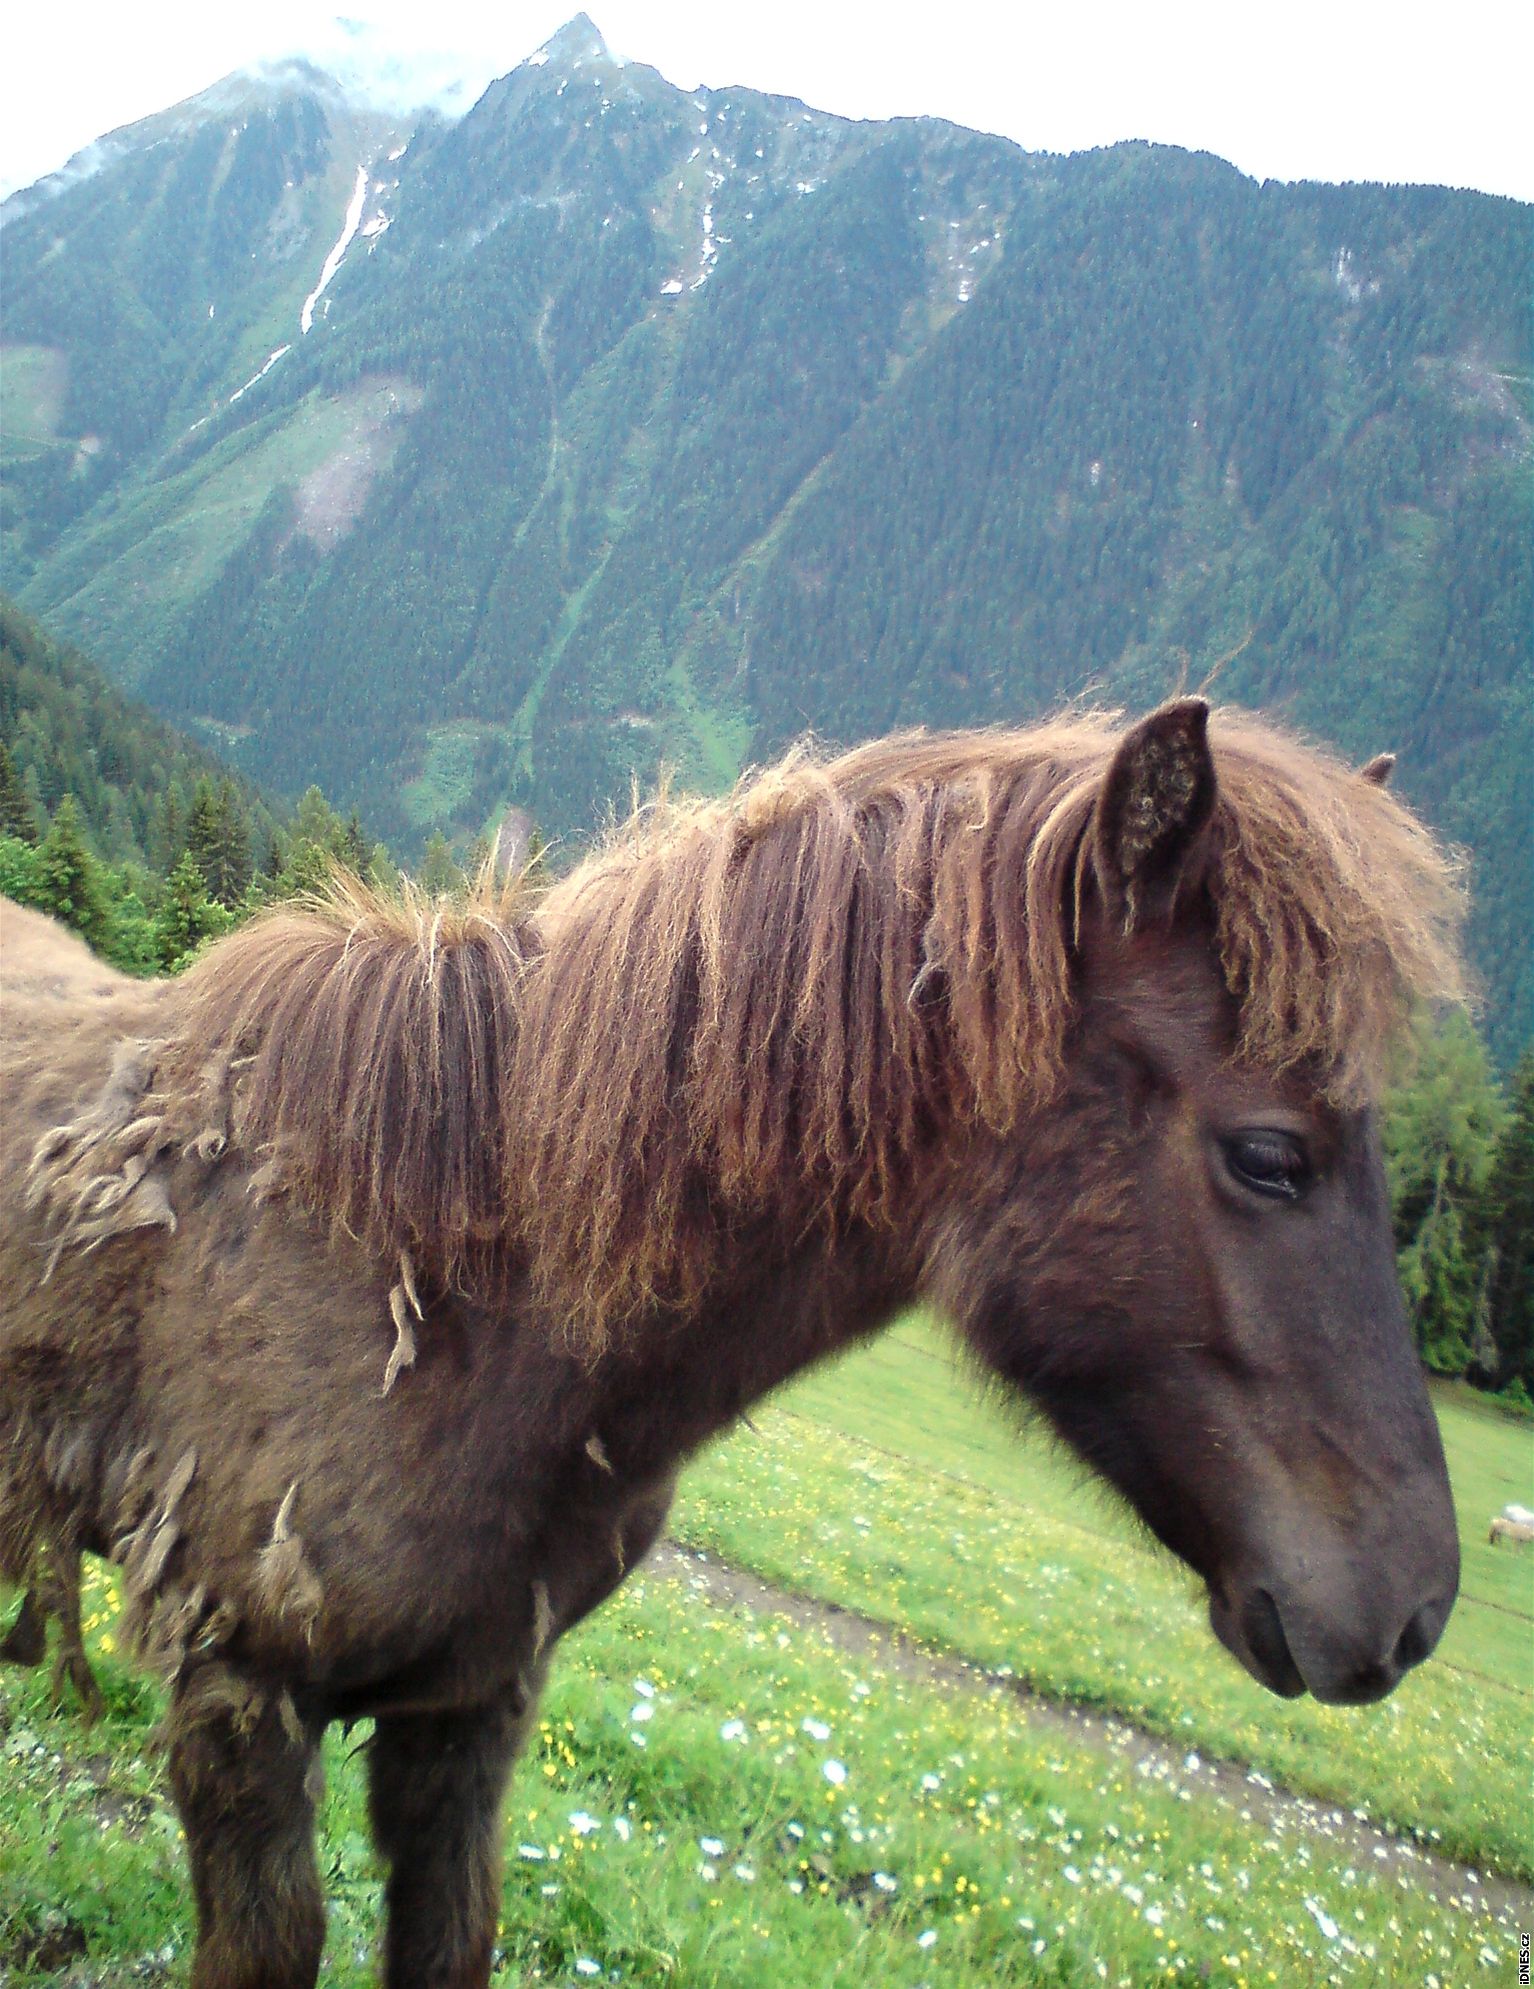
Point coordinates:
[[1357, 1678], [1341, 1656]]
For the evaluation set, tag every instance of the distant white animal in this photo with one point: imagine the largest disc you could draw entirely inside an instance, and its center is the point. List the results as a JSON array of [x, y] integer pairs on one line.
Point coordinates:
[[1519, 1515]]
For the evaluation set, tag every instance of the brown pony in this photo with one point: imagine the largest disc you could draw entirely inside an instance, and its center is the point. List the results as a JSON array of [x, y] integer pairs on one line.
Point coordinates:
[[365, 1289]]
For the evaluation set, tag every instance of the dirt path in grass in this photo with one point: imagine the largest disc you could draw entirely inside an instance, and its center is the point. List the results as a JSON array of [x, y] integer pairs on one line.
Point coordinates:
[[1183, 1770]]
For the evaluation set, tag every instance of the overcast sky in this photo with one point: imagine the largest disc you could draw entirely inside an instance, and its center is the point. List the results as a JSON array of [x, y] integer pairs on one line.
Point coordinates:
[[1310, 89]]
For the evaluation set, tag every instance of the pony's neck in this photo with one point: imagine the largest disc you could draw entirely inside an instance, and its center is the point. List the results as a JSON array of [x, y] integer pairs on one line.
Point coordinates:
[[679, 1381]]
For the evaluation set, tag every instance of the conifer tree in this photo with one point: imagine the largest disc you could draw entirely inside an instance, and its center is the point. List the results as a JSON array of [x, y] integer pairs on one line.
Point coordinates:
[[1508, 1275], [317, 839], [1441, 1131], [227, 867], [202, 831], [317, 822], [356, 851], [168, 831], [439, 875], [69, 877], [187, 915], [16, 817], [1438, 1279]]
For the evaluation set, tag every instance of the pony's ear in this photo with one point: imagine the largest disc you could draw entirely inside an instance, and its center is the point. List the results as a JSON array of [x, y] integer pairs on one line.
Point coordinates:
[[1156, 798], [1378, 770]]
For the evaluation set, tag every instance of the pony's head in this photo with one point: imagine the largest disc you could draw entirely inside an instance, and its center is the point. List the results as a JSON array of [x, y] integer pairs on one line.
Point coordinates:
[[1078, 1029], [1183, 1252]]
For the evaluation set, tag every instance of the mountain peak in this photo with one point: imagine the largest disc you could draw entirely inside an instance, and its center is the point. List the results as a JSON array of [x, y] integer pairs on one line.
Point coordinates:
[[579, 40]]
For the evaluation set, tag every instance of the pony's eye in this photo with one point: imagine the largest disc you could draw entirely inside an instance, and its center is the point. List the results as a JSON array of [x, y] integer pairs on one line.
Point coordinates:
[[1270, 1163]]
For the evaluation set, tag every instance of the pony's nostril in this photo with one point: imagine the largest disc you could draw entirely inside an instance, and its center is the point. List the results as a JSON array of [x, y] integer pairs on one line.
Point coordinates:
[[1263, 1628], [1419, 1636]]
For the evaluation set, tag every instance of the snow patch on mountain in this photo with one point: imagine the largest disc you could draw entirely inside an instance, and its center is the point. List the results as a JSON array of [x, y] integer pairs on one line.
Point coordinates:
[[337, 254], [708, 248], [240, 392], [964, 248]]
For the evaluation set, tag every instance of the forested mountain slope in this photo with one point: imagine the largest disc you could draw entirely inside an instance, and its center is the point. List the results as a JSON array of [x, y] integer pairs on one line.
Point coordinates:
[[634, 425], [67, 730]]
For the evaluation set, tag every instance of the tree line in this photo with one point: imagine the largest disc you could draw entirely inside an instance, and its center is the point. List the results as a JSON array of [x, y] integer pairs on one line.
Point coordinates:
[[1459, 1152], [213, 866]]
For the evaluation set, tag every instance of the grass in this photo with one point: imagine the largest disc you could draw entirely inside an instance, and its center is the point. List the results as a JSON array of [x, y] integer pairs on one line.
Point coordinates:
[[445, 784], [33, 380], [719, 741], [715, 1799], [525, 719]]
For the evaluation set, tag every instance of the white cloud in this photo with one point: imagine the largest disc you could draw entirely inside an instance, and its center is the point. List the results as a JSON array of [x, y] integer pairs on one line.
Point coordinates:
[[144, 58]]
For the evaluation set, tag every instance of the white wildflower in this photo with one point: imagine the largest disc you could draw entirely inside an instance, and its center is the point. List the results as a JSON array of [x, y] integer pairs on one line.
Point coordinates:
[[1322, 1918]]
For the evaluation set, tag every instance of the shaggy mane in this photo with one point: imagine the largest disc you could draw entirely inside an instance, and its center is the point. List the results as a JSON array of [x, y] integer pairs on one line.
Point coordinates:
[[365, 1040], [773, 1001]]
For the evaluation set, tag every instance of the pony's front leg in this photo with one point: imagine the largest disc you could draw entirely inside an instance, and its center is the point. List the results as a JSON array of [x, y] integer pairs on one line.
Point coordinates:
[[26, 1642], [436, 1786], [55, 1592], [245, 1774], [70, 1661]]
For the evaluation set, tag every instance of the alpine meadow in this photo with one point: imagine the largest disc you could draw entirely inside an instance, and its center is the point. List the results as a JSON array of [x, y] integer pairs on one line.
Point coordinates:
[[766, 1051]]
